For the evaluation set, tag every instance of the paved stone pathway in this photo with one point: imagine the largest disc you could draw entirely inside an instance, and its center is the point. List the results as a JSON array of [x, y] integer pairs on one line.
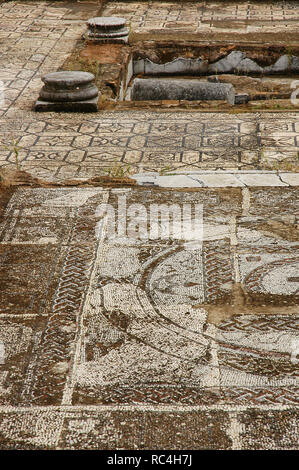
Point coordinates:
[[147, 343]]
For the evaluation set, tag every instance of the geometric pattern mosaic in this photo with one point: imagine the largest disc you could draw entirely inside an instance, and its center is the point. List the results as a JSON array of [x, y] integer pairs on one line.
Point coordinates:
[[207, 16], [86, 146]]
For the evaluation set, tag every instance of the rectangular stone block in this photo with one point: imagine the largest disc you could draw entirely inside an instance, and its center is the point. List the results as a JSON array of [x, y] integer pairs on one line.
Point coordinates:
[[87, 106]]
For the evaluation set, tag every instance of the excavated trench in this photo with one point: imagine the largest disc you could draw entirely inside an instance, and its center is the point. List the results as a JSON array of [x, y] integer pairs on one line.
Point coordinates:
[[195, 75], [153, 73]]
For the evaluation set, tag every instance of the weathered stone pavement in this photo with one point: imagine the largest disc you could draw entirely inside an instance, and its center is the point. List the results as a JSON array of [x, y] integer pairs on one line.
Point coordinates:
[[78, 146], [209, 18], [59, 146], [149, 343]]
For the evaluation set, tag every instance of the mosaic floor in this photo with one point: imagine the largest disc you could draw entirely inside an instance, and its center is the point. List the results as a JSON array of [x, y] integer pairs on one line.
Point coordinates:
[[118, 343], [62, 146], [83, 146], [204, 16], [122, 332]]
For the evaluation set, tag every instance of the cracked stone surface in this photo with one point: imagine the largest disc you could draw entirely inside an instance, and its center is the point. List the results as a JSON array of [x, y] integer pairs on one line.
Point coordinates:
[[147, 343]]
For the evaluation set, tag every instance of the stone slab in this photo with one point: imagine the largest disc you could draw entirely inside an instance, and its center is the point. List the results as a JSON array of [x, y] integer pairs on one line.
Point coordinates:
[[219, 179], [86, 106]]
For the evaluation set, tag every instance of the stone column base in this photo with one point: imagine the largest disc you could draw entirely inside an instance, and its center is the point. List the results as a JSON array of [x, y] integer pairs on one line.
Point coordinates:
[[87, 106]]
